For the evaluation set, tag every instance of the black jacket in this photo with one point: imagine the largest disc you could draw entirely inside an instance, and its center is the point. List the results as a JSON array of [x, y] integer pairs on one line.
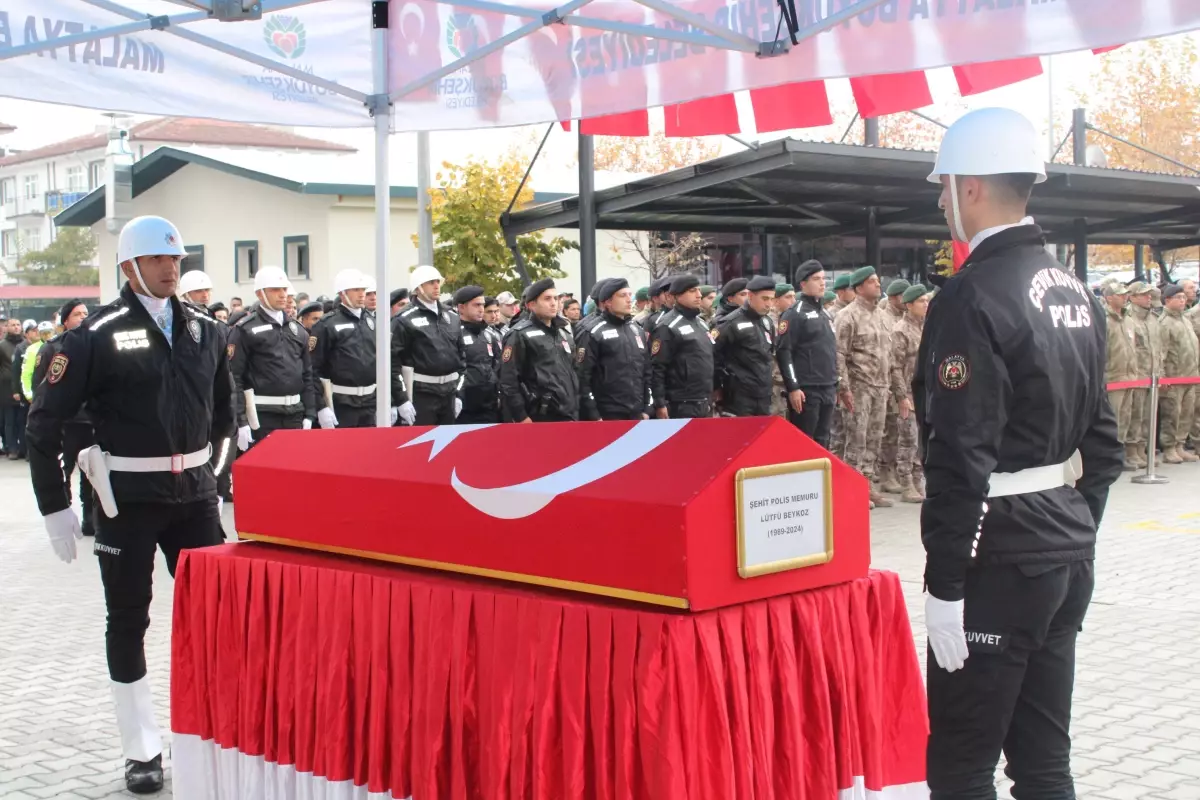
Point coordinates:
[[8, 348], [537, 371], [480, 385], [806, 347], [614, 372], [273, 360], [429, 343], [1010, 375], [724, 309], [681, 356], [342, 349], [744, 358], [147, 399], [45, 356], [654, 320], [18, 361]]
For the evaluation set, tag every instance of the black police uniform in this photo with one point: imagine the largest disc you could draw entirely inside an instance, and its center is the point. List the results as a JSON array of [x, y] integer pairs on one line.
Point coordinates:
[[225, 450], [537, 373], [650, 323], [430, 344], [342, 349], [272, 359], [480, 384], [77, 434], [614, 372], [724, 309], [148, 399], [744, 360], [681, 356], [1010, 376], [806, 350]]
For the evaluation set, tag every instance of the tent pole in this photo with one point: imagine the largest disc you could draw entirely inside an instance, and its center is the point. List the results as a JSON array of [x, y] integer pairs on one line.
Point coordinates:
[[424, 213], [381, 109], [587, 214]]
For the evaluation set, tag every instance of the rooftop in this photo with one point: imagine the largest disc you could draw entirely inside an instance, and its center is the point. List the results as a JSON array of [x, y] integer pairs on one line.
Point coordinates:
[[187, 131]]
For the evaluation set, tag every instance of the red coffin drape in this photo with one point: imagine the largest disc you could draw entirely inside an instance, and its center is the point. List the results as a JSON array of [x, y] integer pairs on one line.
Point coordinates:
[[438, 686]]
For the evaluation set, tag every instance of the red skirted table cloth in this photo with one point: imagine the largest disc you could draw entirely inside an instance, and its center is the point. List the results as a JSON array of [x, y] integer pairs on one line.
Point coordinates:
[[303, 675]]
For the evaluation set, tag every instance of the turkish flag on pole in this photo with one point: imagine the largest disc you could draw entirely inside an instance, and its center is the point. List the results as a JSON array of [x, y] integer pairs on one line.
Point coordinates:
[[711, 116], [878, 95], [416, 50], [979, 78], [791, 105], [961, 251]]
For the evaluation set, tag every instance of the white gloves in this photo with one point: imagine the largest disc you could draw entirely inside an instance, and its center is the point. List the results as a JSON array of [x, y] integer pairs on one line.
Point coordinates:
[[306, 425], [395, 414], [244, 438], [944, 623], [220, 508], [64, 530], [457, 407], [326, 418], [408, 413]]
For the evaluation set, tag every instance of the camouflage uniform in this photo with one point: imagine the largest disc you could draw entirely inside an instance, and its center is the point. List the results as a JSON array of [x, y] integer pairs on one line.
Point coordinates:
[[888, 450], [1181, 358], [1148, 347], [1193, 316], [779, 403], [1120, 365], [906, 340], [837, 431], [863, 355]]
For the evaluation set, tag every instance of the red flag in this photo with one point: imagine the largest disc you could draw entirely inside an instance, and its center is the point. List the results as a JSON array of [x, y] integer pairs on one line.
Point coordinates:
[[961, 251], [710, 116], [631, 123], [468, 31], [688, 71], [566, 123], [414, 49], [877, 95], [792, 105], [611, 67], [1102, 50], [548, 44], [979, 78]]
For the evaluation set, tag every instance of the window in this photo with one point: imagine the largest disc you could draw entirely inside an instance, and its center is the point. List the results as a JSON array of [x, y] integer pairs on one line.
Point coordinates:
[[75, 179], [245, 260], [31, 240], [31, 187], [8, 244], [95, 174], [8, 190], [295, 256], [194, 260]]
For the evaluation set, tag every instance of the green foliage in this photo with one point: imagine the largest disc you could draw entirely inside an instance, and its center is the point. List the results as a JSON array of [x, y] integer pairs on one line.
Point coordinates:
[[64, 262], [470, 246]]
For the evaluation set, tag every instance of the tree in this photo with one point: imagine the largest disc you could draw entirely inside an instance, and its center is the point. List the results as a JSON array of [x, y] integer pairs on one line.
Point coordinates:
[[64, 262], [469, 243], [662, 254], [651, 155]]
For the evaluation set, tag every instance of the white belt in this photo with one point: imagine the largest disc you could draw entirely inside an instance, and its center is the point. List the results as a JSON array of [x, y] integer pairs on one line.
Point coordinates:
[[419, 378], [175, 464], [276, 400], [353, 391], [1037, 479]]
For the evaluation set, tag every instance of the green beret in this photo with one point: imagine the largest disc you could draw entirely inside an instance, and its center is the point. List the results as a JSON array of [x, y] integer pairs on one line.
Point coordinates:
[[642, 293], [912, 293], [829, 297], [842, 282], [860, 275], [898, 286], [706, 290], [783, 288]]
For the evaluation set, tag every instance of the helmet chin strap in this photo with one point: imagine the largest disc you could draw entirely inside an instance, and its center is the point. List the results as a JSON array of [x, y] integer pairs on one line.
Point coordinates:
[[262, 298], [345, 298], [138, 272], [958, 232]]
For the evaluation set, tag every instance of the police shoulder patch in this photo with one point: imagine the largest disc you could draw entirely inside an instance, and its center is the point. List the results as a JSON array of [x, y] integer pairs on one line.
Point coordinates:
[[954, 371], [654, 348], [312, 343], [58, 368], [783, 326], [507, 355], [230, 349], [580, 354]]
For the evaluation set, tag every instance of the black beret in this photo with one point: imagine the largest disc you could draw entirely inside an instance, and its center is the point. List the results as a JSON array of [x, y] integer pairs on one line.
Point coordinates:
[[67, 308], [535, 290], [490, 301], [761, 283], [659, 286], [611, 287], [684, 283], [808, 269], [215, 307], [1170, 290], [736, 285], [310, 308], [596, 289], [467, 293], [396, 296]]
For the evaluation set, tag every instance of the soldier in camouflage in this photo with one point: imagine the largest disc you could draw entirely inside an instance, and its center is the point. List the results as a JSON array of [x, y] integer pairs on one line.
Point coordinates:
[[785, 298], [893, 306], [1193, 316], [1146, 345], [1181, 358], [906, 340], [843, 296], [1120, 364]]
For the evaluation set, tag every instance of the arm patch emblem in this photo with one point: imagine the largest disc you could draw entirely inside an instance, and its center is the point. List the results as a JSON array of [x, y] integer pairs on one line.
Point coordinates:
[[58, 368]]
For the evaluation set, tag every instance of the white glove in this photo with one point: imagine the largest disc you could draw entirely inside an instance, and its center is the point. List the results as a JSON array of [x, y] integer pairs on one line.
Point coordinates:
[[944, 624], [306, 425], [395, 414], [244, 438], [63, 527], [326, 419], [457, 407], [220, 507], [408, 413]]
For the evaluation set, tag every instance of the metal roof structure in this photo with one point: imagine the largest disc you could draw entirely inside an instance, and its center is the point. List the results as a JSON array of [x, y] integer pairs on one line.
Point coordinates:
[[814, 190]]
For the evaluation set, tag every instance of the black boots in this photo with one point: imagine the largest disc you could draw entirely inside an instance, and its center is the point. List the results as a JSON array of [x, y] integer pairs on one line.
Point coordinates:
[[144, 777]]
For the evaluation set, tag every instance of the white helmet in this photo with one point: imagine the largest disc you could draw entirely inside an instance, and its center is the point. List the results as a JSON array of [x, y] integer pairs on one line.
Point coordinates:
[[193, 281], [270, 278], [29, 324], [149, 236], [349, 279], [45, 327], [423, 274], [990, 141]]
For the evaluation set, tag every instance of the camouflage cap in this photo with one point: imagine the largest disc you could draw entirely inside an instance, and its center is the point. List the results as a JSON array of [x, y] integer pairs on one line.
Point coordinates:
[[860, 276], [912, 293], [898, 286], [1114, 290], [841, 282], [1140, 287]]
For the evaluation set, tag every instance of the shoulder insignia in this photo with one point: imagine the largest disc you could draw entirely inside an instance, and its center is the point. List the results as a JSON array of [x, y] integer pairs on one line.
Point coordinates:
[[580, 354], [507, 356], [312, 343], [58, 368], [230, 349], [783, 326], [714, 333], [193, 327], [654, 348], [954, 371]]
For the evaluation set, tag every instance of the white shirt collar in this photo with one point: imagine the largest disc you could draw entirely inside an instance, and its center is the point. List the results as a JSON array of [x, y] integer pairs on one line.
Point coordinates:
[[357, 312], [978, 238], [431, 306], [275, 315], [153, 305]]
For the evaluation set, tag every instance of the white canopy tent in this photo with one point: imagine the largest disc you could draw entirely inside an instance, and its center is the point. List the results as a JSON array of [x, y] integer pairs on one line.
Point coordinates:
[[462, 64]]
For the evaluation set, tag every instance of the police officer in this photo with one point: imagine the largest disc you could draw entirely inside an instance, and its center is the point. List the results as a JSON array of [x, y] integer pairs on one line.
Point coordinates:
[[1009, 385], [681, 356], [77, 431], [309, 315], [744, 353], [592, 319], [154, 376], [479, 389], [733, 294], [195, 288], [272, 374], [427, 352], [614, 372], [537, 370], [663, 301], [807, 356], [342, 348]]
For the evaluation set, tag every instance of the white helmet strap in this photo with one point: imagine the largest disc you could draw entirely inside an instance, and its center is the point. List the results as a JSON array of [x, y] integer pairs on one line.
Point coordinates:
[[345, 298], [262, 298], [959, 233], [138, 272]]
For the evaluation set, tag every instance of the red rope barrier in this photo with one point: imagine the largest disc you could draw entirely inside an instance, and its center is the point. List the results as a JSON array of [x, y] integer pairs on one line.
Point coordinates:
[[1144, 383]]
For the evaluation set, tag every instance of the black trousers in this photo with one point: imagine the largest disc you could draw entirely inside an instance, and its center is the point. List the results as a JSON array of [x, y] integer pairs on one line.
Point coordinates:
[[271, 421], [478, 416], [552, 416], [354, 416], [744, 406], [817, 417], [1014, 693], [434, 407], [690, 409], [125, 547], [75, 438]]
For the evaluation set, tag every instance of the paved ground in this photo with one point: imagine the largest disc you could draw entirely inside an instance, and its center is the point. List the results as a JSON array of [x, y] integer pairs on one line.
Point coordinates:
[[1137, 699]]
